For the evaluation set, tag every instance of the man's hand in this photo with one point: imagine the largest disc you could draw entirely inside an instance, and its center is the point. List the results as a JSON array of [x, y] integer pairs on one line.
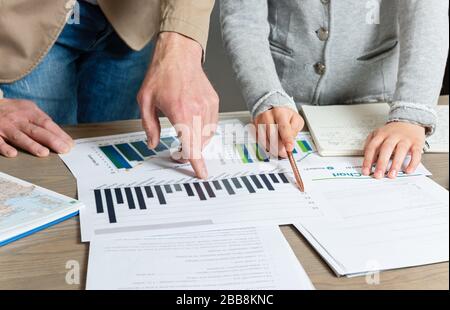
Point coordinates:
[[177, 86], [24, 125], [394, 140]]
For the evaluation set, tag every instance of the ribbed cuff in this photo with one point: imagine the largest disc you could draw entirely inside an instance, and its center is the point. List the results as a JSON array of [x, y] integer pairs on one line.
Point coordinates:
[[273, 99], [414, 113]]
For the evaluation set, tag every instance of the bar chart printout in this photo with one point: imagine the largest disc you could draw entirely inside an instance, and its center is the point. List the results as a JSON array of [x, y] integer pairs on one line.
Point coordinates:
[[127, 155], [248, 153], [246, 198]]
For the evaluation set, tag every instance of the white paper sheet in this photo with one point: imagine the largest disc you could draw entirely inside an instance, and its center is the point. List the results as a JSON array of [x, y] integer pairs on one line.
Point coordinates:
[[379, 224], [124, 203], [248, 258]]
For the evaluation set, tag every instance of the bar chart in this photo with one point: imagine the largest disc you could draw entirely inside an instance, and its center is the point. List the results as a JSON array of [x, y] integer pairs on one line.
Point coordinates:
[[249, 153], [158, 195], [259, 197], [128, 155]]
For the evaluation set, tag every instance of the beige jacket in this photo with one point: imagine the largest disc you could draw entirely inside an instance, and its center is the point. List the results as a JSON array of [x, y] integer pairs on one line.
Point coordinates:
[[29, 28]]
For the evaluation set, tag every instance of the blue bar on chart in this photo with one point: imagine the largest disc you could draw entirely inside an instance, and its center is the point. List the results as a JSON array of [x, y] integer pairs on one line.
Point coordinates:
[[129, 152], [143, 149], [304, 146], [170, 142], [122, 155], [161, 148], [159, 195], [115, 157]]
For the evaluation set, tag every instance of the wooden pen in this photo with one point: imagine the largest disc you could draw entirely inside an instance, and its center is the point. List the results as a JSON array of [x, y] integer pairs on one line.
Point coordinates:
[[297, 175]]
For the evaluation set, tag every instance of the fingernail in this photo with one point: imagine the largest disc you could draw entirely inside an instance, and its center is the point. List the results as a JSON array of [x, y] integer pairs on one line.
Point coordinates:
[[378, 174], [43, 153], [289, 147], [365, 171], [11, 153], [393, 173], [204, 173], [64, 148]]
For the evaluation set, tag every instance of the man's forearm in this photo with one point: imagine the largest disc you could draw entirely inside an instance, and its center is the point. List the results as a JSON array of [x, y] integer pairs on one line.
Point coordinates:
[[172, 44]]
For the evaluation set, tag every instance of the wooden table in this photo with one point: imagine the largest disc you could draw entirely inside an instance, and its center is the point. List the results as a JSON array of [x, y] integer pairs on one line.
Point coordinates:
[[39, 261]]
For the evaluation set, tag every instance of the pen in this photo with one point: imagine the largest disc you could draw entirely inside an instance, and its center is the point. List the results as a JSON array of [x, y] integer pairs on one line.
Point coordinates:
[[297, 176]]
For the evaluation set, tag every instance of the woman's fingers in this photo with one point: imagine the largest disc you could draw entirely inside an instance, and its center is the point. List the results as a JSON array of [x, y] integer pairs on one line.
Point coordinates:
[[416, 157], [266, 131], [7, 150], [386, 151], [401, 151], [286, 143], [370, 153], [297, 124]]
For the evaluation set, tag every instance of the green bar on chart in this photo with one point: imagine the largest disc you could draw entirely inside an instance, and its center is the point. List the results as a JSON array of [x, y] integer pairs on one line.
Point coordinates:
[[143, 149], [261, 155], [129, 152], [115, 157], [304, 146], [244, 154]]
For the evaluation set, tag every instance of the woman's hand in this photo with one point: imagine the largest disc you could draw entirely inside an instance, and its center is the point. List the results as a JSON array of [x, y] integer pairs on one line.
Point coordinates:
[[394, 140], [286, 122]]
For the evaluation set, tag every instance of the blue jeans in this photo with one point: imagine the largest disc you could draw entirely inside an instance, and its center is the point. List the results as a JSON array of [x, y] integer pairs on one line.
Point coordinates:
[[89, 75]]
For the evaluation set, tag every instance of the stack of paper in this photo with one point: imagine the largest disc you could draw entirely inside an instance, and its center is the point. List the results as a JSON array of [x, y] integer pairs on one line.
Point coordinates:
[[161, 228], [375, 225]]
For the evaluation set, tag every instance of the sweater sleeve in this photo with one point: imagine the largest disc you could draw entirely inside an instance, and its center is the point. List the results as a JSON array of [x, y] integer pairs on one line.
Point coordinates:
[[424, 40], [245, 31]]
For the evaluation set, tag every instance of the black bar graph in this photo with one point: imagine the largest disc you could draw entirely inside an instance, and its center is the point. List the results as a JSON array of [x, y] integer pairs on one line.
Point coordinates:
[[267, 182], [119, 196], [274, 178], [283, 178], [130, 198], [110, 206], [200, 192], [217, 185], [209, 190], [159, 193], [189, 190], [98, 201], [228, 187], [149, 192], [142, 197], [250, 188], [256, 181], [168, 189], [236, 183]]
